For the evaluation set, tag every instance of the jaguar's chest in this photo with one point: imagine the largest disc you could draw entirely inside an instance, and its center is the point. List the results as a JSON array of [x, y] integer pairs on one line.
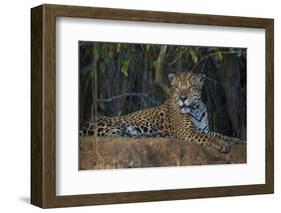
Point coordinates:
[[199, 118]]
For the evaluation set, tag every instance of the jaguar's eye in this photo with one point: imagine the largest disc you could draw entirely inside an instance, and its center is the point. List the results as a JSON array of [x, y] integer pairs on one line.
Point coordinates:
[[191, 89]]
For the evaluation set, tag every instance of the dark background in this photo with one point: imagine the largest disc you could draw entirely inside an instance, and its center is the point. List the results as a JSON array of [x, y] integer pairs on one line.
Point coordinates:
[[118, 78]]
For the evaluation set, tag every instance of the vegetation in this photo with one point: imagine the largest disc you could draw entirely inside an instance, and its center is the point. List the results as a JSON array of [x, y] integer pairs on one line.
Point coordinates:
[[119, 78]]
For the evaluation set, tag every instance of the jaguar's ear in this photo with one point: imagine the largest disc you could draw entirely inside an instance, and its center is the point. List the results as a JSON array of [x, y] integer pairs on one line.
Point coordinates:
[[171, 76], [201, 77]]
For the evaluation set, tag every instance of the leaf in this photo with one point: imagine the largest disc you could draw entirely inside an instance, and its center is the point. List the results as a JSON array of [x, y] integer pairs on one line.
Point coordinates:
[[102, 106], [102, 67], [154, 63], [218, 55], [147, 47], [124, 67], [118, 47], [193, 55]]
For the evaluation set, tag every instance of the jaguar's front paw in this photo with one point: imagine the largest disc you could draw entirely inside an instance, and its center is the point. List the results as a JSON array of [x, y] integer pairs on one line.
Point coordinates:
[[236, 141], [222, 146]]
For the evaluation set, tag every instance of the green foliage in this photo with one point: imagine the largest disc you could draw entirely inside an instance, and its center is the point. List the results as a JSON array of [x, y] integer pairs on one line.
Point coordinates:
[[118, 47], [154, 63], [218, 55], [194, 55], [125, 67], [147, 47], [102, 67], [102, 106], [85, 73], [130, 68]]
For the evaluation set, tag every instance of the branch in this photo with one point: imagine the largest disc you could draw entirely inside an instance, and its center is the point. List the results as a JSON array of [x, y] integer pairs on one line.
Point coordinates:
[[212, 54], [122, 96], [179, 55], [158, 70]]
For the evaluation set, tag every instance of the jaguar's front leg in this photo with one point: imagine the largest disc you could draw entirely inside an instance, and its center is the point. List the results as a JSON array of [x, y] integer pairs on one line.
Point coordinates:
[[228, 139], [204, 139]]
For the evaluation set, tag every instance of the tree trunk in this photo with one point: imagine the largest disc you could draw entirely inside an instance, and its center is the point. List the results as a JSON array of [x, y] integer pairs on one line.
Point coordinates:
[[158, 70]]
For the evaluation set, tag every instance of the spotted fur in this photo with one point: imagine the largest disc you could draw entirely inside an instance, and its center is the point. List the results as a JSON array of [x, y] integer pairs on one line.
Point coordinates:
[[197, 112], [182, 116]]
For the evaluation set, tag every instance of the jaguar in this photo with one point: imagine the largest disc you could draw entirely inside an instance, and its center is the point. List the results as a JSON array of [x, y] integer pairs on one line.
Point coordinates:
[[182, 116]]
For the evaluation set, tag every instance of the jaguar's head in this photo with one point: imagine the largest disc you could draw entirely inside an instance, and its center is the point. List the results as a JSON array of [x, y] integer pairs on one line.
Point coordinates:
[[186, 89]]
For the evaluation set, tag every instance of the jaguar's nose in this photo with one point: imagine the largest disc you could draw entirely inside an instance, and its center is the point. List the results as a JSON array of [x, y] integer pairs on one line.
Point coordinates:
[[183, 98]]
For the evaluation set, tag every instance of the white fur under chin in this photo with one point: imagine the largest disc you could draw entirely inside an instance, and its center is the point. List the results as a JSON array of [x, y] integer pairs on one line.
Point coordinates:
[[185, 110], [180, 103]]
